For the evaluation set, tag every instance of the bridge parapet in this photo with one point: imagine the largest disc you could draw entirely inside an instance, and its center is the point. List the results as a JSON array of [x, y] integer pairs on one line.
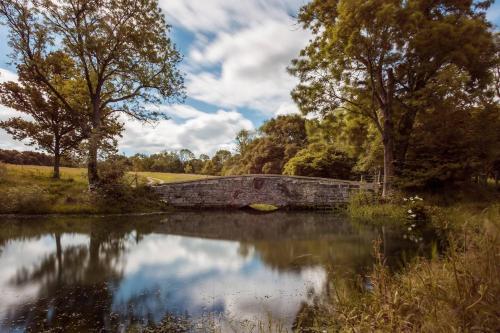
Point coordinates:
[[241, 191]]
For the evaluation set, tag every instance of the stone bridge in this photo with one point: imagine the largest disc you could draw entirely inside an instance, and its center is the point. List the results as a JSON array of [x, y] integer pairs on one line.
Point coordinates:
[[241, 191]]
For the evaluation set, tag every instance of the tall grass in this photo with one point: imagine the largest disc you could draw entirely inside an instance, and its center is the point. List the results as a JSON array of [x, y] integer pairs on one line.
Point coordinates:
[[455, 292]]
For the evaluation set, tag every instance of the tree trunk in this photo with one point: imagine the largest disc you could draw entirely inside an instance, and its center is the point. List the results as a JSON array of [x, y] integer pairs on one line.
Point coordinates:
[[388, 141], [388, 136], [93, 176], [57, 159]]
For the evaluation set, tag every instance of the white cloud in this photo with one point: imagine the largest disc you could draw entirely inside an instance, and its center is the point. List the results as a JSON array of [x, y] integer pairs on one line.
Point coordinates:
[[209, 16], [243, 63], [253, 67], [200, 132], [6, 141]]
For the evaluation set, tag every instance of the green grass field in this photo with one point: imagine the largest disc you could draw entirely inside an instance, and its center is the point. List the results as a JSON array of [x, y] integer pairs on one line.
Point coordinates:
[[28, 189], [161, 177]]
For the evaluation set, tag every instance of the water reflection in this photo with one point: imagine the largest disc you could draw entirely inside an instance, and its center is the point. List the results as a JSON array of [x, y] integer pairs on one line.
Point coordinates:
[[77, 274]]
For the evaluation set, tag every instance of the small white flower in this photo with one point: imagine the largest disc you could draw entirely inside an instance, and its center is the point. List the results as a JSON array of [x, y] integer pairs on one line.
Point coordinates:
[[404, 199], [413, 225], [411, 198], [409, 228], [413, 215], [410, 211]]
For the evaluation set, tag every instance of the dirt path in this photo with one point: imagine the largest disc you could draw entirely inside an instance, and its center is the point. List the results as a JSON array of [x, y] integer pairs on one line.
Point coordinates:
[[154, 181]]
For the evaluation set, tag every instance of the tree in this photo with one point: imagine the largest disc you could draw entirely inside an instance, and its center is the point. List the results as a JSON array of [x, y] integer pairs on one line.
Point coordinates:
[[456, 138], [374, 58], [120, 48], [280, 139], [185, 155], [50, 126], [243, 139]]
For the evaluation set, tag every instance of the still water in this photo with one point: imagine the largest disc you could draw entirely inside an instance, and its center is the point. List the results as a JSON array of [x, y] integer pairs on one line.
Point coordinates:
[[186, 269]]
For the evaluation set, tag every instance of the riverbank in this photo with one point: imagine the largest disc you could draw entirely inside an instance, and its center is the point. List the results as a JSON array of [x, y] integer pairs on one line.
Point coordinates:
[[30, 190], [461, 283]]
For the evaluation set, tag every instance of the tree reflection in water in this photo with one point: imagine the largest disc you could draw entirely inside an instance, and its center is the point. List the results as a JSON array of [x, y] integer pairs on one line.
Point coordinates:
[[77, 274]]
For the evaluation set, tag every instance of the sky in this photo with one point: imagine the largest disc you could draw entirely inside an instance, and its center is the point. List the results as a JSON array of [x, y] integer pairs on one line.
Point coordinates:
[[235, 59]]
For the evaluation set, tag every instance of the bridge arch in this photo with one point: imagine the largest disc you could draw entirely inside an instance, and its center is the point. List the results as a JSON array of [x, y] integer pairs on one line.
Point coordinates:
[[241, 191]]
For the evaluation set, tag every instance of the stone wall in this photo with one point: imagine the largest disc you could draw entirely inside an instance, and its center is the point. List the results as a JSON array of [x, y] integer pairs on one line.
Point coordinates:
[[242, 191]]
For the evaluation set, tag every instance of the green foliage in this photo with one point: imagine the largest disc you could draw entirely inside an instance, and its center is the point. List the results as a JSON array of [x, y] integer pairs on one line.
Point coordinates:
[[318, 160], [366, 207], [52, 127], [382, 60], [112, 171], [279, 140], [454, 137]]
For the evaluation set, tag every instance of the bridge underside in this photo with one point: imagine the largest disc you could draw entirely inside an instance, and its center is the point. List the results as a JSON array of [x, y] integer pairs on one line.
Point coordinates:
[[242, 191]]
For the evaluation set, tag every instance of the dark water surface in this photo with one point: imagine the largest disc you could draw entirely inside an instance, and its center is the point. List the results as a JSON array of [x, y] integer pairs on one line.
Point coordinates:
[[73, 274]]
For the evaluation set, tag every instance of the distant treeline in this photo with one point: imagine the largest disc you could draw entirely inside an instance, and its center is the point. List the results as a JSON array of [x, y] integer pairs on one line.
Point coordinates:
[[25, 157], [12, 156]]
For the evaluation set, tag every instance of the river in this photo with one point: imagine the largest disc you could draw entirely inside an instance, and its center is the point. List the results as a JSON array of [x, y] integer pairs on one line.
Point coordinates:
[[194, 271]]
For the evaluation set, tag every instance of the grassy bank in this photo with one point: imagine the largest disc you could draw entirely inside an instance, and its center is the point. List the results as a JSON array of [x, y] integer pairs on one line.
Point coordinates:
[[456, 291], [31, 190]]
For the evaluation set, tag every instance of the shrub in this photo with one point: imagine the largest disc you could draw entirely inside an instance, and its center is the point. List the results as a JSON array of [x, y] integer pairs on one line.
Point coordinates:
[[318, 160], [123, 198], [366, 206], [112, 171]]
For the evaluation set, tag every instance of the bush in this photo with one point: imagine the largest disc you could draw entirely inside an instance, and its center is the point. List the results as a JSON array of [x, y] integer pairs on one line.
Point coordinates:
[[319, 160], [112, 171], [123, 198], [368, 207]]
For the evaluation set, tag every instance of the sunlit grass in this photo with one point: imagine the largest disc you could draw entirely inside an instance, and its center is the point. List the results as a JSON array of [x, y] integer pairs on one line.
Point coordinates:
[[30, 189], [263, 207], [159, 177]]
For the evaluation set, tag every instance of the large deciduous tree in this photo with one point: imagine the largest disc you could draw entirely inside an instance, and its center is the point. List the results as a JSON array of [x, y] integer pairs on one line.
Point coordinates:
[[376, 57], [120, 48], [47, 124]]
